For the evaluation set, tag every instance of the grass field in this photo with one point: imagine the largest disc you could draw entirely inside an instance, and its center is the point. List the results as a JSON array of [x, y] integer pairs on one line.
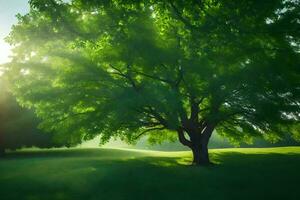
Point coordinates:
[[116, 174]]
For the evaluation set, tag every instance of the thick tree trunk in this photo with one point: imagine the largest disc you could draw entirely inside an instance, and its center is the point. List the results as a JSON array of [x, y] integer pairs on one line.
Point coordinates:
[[200, 146], [198, 143], [200, 153]]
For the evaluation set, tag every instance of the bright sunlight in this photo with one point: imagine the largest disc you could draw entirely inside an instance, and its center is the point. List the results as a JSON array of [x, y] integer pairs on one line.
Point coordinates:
[[4, 52]]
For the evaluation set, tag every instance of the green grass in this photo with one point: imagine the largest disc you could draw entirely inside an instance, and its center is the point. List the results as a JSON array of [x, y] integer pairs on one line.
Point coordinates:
[[116, 174]]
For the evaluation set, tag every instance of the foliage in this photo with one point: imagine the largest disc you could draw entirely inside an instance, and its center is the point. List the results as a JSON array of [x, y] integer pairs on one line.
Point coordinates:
[[18, 126], [124, 68]]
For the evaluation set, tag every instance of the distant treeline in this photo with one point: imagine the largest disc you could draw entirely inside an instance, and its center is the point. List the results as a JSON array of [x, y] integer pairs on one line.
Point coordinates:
[[218, 142]]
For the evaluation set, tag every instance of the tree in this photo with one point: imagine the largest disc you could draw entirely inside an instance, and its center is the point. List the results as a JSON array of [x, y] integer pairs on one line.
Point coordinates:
[[164, 68], [18, 126]]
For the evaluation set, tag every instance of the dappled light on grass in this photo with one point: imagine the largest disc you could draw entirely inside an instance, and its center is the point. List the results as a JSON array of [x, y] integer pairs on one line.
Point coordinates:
[[123, 174]]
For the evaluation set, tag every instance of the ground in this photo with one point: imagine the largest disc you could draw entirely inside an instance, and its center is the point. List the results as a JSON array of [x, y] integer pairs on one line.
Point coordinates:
[[118, 174]]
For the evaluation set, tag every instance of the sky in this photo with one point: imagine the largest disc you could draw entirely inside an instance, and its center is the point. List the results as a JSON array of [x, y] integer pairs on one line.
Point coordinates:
[[8, 11]]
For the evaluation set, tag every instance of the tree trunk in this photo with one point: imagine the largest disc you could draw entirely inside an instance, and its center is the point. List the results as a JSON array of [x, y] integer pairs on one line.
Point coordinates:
[[200, 146], [200, 153], [198, 143]]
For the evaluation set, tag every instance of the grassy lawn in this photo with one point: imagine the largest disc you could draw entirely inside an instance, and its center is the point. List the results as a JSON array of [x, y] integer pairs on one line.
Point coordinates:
[[116, 174]]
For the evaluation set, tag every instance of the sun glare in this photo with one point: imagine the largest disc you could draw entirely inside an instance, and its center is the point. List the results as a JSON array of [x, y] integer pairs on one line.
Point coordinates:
[[4, 52]]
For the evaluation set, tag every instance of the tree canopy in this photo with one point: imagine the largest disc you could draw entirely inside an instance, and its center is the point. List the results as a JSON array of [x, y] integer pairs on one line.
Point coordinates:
[[164, 68]]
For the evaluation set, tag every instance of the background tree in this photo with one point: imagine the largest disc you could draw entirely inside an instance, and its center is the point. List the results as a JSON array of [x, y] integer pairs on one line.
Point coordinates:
[[170, 68], [18, 126]]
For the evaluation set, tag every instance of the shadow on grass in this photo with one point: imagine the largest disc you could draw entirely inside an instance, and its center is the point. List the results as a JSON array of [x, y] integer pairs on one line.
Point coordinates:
[[115, 174]]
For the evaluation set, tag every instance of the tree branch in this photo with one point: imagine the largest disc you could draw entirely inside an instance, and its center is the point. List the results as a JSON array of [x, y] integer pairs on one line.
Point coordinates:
[[194, 110], [70, 116], [153, 77], [126, 76], [179, 79], [182, 138], [157, 116], [180, 17], [148, 130]]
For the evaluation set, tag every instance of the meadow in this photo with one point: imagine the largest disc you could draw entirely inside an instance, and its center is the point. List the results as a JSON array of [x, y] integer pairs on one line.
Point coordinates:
[[116, 174]]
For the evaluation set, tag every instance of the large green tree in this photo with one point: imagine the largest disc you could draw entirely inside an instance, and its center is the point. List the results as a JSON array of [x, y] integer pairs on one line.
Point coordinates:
[[124, 68]]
